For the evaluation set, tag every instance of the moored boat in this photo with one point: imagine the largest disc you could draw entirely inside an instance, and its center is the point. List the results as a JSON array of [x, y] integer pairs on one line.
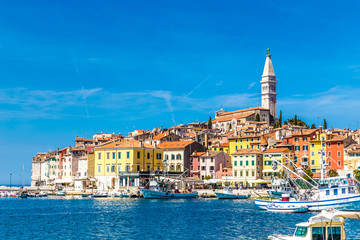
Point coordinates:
[[61, 193], [156, 194], [329, 224], [229, 194], [286, 208]]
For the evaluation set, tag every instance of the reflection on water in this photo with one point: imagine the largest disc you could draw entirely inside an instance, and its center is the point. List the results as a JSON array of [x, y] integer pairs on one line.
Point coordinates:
[[69, 218]]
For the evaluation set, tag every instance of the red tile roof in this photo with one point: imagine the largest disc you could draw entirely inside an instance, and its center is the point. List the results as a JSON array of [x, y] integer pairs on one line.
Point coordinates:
[[277, 150], [174, 144], [226, 119]]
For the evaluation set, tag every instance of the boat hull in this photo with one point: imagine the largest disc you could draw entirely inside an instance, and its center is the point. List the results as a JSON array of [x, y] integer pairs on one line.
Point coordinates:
[[313, 205], [288, 209], [231, 196], [150, 194]]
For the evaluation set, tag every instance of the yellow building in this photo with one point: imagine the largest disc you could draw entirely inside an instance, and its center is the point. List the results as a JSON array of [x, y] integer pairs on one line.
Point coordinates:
[[282, 155], [352, 160], [315, 151], [123, 157], [221, 147]]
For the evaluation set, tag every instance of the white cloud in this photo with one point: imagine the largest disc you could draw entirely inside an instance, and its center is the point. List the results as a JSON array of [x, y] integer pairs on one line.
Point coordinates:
[[251, 85]]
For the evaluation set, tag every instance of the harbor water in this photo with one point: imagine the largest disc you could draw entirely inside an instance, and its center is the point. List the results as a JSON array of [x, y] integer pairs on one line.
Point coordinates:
[[69, 218]]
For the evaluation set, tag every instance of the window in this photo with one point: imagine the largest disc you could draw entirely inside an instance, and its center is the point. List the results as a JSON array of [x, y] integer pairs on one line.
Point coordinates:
[[166, 157], [235, 163], [343, 191], [138, 155], [334, 233], [329, 154], [247, 163], [119, 168], [339, 154], [148, 167], [236, 147], [335, 192], [99, 168], [241, 173], [203, 168], [158, 156], [198, 168], [339, 163], [138, 167], [235, 173], [127, 169], [119, 155], [211, 167], [172, 157], [339, 144], [113, 168], [318, 233], [296, 139], [253, 173], [191, 167], [107, 167], [301, 231], [305, 147], [127, 155], [312, 145], [253, 163], [214, 149], [178, 157], [158, 167], [148, 155], [312, 153], [107, 155], [247, 173], [212, 160], [329, 163], [241, 163], [113, 155], [99, 156], [236, 140], [329, 144], [304, 139], [312, 162], [297, 148]]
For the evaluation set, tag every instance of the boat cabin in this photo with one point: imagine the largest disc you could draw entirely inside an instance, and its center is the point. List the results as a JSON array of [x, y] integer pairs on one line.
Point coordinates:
[[327, 225], [336, 187], [322, 230]]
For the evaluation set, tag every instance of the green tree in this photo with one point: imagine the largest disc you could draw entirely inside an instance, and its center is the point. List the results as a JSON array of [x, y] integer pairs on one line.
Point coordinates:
[[325, 124], [257, 118], [285, 122], [309, 173], [280, 119], [210, 123], [313, 126], [332, 173], [297, 122]]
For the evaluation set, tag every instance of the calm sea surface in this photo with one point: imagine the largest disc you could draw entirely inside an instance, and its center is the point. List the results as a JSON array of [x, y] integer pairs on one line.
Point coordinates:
[[51, 218]]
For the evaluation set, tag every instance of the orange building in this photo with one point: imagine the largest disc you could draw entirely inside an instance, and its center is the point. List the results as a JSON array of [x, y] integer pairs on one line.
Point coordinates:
[[335, 151]]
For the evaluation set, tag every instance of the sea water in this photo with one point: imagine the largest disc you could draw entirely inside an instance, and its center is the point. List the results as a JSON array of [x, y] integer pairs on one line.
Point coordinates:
[[69, 218]]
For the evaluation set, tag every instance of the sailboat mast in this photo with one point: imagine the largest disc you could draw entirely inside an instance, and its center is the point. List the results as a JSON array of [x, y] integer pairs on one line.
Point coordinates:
[[321, 159], [23, 175]]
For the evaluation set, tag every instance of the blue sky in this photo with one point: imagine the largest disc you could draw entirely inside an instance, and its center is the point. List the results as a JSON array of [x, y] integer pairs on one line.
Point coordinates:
[[78, 67]]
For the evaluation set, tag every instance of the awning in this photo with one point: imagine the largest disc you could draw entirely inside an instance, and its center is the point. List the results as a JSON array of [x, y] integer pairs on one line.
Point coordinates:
[[270, 170], [63, 181]]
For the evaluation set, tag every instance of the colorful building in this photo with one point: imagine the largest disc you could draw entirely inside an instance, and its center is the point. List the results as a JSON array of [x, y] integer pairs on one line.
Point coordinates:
[[247, 166], [282, 155], [315, 151], [114, 160], [335, 148]]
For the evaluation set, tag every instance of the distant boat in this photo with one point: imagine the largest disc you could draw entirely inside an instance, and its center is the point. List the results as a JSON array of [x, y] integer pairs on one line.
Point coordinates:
[[61, 193], [228, 194], [156, 194], [100, 195], [23, 195]]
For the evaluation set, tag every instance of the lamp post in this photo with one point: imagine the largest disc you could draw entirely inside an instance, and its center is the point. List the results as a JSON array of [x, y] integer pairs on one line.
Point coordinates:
[[10, 180]]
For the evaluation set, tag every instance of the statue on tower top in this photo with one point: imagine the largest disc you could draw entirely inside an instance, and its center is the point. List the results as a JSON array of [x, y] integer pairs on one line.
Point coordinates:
[[268, 51]]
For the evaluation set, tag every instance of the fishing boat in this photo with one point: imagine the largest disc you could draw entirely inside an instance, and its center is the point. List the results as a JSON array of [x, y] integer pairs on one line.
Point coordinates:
[[280, 187], [286, 208], [100, 195], [327, 225], [155, 191], [229, 194], [328, 192]]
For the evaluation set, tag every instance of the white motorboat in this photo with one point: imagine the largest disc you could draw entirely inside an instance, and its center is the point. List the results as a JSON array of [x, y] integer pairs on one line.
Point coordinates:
[[327, 225]]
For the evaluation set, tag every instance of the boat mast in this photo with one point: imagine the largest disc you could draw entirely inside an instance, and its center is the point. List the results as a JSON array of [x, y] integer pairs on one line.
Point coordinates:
[[322, 159], [23, 175]]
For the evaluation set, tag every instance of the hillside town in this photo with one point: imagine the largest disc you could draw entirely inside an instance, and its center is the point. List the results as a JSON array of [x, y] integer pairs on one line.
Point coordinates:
[[237, 147]]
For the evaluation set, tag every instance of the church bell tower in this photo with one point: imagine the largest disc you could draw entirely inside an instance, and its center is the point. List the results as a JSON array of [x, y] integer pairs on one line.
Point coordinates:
[[268, 86]]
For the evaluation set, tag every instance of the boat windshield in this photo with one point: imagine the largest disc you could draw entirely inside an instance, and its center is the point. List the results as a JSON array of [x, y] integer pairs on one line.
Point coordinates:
[[334, 233], [318, 233], [301, 232]]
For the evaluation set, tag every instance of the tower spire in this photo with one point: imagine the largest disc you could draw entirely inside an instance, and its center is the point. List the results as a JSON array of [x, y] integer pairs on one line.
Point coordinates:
[[268, 86]]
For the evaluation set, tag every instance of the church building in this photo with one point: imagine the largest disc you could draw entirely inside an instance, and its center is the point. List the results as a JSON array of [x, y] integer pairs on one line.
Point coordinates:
[[267, 112]]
